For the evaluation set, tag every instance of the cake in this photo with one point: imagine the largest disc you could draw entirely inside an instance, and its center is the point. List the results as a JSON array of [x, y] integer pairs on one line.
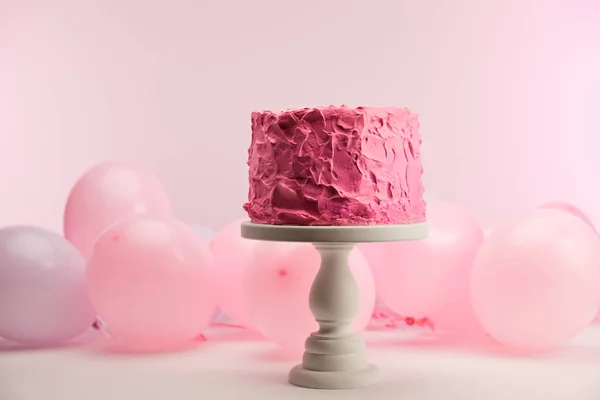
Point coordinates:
[[335, 166]]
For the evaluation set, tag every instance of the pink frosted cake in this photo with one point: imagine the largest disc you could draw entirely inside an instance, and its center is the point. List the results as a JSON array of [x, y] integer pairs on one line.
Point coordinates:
[[335, 166]]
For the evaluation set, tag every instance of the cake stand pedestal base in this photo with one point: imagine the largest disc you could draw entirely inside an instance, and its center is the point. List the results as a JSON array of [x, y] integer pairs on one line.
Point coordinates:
[[332, 380], [334, 356]]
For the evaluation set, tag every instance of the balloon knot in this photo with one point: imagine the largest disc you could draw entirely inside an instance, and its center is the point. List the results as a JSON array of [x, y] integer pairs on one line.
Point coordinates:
[[425, 322], [201, 338]]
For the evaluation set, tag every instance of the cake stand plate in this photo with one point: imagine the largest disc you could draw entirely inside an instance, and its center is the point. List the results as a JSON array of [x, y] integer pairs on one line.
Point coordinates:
[[334, 356]]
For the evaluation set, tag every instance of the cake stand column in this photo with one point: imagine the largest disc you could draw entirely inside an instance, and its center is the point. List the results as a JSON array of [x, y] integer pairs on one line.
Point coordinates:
[[335, 355]]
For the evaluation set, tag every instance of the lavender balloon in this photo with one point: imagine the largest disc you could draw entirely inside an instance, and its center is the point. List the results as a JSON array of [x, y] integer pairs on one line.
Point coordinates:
[[43, 300]]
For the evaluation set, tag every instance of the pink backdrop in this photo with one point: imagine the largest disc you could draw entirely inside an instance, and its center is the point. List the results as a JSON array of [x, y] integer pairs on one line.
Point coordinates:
[[508, 93]]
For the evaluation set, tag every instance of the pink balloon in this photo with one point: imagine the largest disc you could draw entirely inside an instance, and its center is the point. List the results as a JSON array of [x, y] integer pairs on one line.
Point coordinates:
[[108, 193], [430, 278], [535, 279], [152, 282], [559, 205], [277, 286], [232, 254]]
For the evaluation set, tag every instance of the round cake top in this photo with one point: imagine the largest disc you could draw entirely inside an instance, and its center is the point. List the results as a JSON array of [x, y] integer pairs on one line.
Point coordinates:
[[330, 108]]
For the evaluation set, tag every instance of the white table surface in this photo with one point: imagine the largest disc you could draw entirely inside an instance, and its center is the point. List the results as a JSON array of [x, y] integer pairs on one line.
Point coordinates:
[[237, 365]]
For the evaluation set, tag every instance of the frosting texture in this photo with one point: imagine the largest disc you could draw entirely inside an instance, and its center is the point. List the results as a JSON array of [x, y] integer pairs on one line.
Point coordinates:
[[335, 166]]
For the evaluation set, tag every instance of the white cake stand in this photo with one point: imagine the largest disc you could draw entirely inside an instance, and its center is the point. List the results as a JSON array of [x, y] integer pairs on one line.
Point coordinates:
[[334, 356]]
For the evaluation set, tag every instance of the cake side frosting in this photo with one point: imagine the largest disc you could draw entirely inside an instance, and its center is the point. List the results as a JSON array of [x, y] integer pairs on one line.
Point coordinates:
[[335, 166]]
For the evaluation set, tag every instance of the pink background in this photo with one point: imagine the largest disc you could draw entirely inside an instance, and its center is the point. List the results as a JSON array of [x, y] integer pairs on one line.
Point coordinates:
[[508, 93]]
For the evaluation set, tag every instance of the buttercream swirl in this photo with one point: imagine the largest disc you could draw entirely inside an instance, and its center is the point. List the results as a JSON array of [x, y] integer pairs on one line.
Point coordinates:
[[335, 166]]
